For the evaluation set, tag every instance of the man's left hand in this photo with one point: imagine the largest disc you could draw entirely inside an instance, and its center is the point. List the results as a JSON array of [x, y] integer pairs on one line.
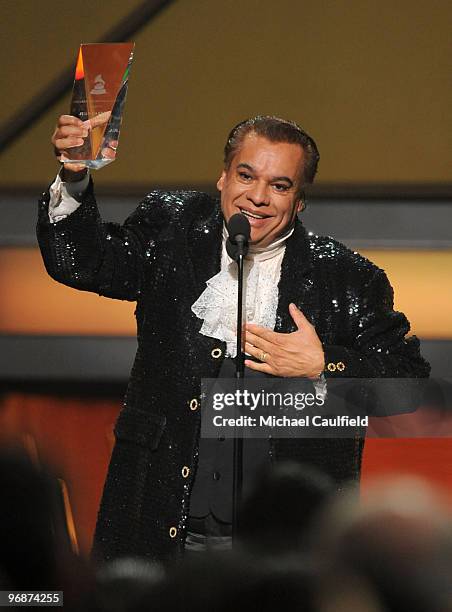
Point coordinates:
[[299, 354]]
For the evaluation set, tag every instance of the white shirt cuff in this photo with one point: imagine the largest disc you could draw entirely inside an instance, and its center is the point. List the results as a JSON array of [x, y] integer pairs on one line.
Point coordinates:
[[65, 197]]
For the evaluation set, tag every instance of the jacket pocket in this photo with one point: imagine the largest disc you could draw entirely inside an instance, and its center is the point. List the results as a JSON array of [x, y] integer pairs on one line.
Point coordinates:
[[139, 427]]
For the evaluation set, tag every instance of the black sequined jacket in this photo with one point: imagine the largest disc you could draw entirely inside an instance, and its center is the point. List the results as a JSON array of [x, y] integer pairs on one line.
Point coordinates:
[[161, 257]]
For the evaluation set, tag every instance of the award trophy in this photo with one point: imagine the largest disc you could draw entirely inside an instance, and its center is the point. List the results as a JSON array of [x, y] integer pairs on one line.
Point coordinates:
[[98, 98]]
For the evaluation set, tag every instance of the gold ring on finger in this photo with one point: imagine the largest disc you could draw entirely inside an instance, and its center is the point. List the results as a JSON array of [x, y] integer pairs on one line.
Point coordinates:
[[263, 356]]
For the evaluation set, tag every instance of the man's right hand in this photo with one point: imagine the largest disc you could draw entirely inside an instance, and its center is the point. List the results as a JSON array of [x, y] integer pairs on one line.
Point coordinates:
[[69, 132]]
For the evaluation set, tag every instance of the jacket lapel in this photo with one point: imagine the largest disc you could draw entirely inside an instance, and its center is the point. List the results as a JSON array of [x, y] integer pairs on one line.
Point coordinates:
[[296, 283], [204, 242]]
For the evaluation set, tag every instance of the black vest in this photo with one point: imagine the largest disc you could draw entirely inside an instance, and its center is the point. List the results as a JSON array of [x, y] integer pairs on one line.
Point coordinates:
[[212, 489]]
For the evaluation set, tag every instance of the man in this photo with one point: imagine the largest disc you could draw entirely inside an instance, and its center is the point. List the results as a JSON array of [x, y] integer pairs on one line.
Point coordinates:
[[317, 309]]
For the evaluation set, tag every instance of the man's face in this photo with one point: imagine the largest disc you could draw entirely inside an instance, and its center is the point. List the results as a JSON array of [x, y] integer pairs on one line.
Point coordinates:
[[262, 182]]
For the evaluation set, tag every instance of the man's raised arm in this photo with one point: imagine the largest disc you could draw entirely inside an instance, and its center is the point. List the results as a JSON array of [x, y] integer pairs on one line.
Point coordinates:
[[78, 248]]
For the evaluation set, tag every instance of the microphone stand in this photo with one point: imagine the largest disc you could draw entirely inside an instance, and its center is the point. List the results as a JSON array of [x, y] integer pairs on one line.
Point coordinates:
[[237, 481], [240, 360]]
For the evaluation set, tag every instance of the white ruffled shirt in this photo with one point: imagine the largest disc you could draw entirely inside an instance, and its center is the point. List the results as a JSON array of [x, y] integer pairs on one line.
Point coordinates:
[[217, 305]]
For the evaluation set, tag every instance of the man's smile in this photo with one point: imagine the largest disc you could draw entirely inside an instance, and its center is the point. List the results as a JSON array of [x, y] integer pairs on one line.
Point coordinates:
[[255, 216]]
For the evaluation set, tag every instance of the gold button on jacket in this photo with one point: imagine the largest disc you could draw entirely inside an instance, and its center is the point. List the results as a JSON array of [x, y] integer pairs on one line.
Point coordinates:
[[194, 404]]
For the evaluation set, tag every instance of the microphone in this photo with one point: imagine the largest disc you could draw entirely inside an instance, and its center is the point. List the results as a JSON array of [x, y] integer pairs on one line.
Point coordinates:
[[239, 231]]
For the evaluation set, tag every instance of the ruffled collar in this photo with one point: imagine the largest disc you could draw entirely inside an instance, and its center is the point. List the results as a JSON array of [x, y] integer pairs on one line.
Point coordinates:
[[217, 305]]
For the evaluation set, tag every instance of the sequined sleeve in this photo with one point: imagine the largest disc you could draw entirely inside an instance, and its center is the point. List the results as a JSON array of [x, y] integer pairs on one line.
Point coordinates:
[[378, 346], [86, 253]]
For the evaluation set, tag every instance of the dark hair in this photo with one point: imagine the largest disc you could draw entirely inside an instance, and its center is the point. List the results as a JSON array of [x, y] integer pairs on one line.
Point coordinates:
[[274, 129]]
